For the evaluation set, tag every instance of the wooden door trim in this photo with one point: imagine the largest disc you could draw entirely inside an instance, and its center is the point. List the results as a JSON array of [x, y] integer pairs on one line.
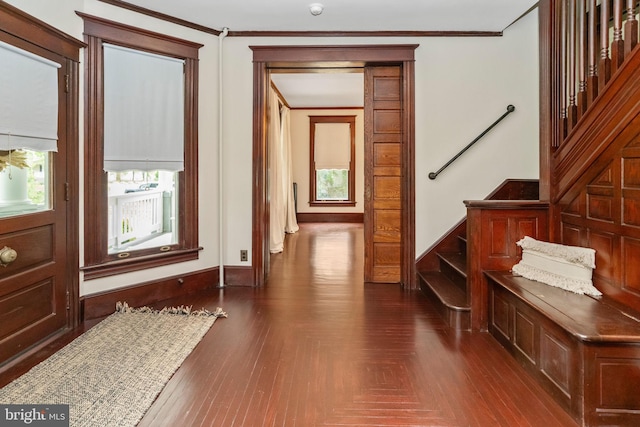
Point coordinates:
[[265, 57]]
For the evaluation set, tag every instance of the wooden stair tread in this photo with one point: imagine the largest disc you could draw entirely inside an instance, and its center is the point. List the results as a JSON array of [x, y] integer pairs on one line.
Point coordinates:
[[447, 292], [458, 261]]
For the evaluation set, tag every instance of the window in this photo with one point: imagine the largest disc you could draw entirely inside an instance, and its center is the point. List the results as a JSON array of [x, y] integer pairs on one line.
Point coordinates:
[[141, 149], [332, 170], [28, 130]]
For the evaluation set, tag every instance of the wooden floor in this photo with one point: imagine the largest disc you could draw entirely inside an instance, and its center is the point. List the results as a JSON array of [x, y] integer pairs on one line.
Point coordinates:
[[318, 347]]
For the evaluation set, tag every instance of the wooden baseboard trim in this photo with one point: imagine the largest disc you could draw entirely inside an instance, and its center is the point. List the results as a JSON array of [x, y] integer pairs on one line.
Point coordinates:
[[104, 303], [356, 217], [238, 276]]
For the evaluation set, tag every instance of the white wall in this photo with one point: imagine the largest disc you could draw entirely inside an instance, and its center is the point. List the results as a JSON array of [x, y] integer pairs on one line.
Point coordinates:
[[301, 158], [462, 85]]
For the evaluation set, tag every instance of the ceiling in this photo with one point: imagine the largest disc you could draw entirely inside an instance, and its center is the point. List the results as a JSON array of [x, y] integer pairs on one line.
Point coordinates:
[[321, 90], [340, 89], [345, 15]]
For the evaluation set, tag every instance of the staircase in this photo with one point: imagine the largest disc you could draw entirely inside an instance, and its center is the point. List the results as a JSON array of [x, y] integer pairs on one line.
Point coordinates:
[[442, 269]]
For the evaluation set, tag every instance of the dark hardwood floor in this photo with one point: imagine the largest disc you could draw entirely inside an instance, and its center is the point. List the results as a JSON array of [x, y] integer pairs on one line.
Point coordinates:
[[318, 347]]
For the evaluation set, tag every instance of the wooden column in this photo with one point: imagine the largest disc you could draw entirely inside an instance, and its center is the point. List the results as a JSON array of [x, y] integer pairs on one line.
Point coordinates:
[[617, 45], [572, 109], [592, 72], [582, 58], [604, 66], [630, 27]]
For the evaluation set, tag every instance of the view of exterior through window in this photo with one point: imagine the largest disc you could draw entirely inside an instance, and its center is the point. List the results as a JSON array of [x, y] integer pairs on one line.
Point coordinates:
[[24, 182], [332, 184], [142, 209]]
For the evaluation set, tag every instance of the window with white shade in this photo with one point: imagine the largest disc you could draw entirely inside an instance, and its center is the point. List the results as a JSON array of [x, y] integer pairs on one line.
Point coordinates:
[[141, 149], [28, 129], [143, 146], [29, 107], [332, 163]]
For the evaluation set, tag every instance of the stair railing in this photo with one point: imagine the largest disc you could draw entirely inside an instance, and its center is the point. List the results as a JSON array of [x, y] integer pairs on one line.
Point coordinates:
[[434, 175]]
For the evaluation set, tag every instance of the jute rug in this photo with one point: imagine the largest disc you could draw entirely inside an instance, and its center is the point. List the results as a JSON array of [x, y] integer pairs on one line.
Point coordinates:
[[111, 374]]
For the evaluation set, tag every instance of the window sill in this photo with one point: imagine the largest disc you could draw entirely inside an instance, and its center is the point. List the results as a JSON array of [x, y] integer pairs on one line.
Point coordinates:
[[111, 268]]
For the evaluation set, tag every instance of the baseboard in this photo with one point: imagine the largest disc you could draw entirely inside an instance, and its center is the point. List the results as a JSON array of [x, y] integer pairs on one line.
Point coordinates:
[[104, 303], [238, 276], [352, 217]]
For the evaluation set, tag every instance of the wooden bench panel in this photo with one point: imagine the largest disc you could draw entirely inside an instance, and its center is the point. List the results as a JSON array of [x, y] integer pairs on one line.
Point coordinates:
[[584, 351]]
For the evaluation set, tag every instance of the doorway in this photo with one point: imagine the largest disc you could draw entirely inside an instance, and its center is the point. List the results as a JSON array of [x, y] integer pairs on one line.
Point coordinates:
[[388, 113]]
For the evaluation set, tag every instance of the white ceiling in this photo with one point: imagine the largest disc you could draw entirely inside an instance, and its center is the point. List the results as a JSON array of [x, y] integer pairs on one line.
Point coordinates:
[[340, 89], [345, 15], [321, 90]]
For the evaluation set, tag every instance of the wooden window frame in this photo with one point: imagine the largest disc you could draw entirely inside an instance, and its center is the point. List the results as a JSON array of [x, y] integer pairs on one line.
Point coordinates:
[[351, 201], [97, 261]]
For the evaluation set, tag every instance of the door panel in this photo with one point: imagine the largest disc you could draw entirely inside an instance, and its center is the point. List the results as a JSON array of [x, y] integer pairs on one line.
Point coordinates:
[[383, 174], [34, 288]]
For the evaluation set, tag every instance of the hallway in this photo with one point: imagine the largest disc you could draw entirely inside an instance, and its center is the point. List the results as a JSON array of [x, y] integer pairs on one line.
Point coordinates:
[[318, 347]]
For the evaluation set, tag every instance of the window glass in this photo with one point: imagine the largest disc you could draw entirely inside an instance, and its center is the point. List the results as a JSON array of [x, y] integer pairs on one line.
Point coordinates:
[[142, 210], [332, 184], [24, 182]]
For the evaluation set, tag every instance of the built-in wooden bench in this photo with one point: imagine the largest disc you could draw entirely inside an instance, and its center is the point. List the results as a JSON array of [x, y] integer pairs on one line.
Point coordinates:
[[585, 351]]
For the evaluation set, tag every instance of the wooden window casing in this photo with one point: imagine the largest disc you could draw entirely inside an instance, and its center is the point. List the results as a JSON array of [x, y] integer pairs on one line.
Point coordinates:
[[97, 261], [351, 120]]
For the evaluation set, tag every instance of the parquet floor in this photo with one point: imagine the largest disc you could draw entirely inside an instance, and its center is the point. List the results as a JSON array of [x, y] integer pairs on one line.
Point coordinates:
[[318, 347]]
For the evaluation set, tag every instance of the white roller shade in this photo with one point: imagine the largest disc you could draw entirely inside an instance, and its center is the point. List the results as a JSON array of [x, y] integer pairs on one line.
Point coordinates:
[[332, 145], [143, 111], [28, 100]]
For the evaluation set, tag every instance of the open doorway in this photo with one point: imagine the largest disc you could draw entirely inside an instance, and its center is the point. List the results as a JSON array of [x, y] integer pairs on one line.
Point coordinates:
[[389, 155], [322, 119]]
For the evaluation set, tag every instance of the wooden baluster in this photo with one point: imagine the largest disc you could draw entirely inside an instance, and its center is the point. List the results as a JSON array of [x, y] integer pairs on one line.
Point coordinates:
[[604, 67], [630, 27], [563, 64], [582, 58], [617, 45], [592, 73], [572, 109]]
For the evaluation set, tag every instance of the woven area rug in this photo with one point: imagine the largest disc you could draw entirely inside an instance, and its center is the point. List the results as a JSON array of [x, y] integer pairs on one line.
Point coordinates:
[[111, 374]]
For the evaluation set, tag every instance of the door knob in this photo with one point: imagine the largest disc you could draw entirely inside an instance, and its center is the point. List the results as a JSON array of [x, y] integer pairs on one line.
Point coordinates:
[[7, 256]]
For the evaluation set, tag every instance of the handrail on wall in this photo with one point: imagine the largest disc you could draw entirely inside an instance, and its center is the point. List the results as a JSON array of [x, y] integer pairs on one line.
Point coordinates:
[[434, 175]]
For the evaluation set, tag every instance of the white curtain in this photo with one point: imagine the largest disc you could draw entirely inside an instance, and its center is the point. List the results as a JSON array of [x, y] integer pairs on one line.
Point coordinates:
[[143, 110], [29, 100], [291, 222], [277, 201], [281, 198]]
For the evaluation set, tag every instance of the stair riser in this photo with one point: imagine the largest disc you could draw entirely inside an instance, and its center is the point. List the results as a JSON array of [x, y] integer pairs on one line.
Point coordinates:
[[454, 275], [455, 319]]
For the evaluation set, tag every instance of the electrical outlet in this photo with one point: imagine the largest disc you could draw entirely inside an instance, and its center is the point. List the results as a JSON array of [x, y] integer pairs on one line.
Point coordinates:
[[244, 255]]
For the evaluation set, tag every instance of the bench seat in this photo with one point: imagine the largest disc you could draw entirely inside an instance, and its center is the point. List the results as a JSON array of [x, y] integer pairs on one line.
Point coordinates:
[[585, 351]]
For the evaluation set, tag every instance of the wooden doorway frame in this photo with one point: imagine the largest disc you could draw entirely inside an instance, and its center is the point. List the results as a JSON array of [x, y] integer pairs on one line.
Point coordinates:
[[348, 56]]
